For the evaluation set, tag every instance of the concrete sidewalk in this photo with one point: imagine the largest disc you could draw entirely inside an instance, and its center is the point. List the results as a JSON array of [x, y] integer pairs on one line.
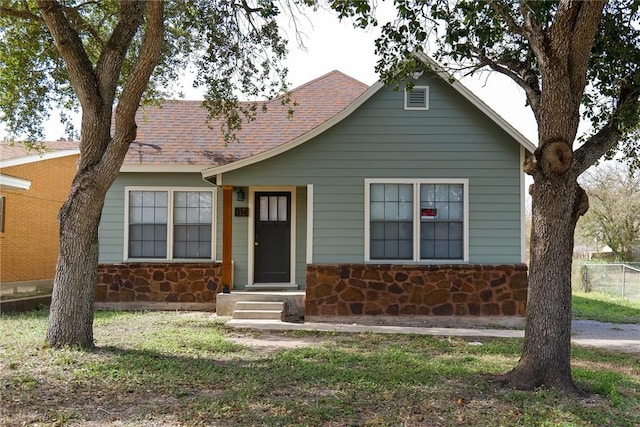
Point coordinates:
[[610, 336]]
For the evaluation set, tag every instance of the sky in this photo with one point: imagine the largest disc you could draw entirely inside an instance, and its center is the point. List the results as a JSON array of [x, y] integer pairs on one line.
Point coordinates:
[[333, 45]]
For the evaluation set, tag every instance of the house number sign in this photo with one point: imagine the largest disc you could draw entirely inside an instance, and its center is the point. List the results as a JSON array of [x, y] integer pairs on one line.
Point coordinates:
[[242, 211]]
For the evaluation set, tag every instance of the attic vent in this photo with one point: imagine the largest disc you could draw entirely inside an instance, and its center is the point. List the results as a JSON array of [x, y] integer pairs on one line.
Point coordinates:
[[417, 98]]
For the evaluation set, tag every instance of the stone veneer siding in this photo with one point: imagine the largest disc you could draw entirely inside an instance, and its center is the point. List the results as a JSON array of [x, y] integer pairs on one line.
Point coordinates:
[[159, 282], [448, 290]]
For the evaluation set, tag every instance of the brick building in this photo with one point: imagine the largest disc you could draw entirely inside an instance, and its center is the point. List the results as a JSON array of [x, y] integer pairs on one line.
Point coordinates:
[[33, 187]]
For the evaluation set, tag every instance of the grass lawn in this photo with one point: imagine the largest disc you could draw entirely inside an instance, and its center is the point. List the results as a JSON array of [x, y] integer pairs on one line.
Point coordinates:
[[605, 308], [186, 369]]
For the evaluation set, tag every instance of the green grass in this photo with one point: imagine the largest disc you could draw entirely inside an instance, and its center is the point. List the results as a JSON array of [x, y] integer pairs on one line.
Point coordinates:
[[176, 369], [604, 308]]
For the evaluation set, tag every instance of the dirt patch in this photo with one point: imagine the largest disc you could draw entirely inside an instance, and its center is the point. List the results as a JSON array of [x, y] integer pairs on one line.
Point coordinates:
[[269, 343]]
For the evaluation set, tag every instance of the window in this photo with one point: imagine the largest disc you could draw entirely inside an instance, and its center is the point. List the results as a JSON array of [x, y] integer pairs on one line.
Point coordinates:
[[417, 98], [169, 224], [1, 214], [416, 220]]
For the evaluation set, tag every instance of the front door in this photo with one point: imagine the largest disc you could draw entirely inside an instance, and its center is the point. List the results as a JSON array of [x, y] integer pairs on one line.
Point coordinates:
[[272, 237]]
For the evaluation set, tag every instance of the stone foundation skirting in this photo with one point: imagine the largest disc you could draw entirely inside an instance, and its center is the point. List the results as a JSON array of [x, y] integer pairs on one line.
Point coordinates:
[[159, 282], [400, 290]]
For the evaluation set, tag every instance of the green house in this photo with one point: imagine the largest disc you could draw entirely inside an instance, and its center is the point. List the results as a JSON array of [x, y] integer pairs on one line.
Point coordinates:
[[365, 200]]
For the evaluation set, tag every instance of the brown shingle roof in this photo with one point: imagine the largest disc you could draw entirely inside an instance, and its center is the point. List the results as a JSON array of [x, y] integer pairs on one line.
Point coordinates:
[[10, 151], [177, 131]]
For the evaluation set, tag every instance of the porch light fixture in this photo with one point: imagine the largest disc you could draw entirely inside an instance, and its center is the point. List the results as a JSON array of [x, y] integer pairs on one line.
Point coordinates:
[[240, 195]]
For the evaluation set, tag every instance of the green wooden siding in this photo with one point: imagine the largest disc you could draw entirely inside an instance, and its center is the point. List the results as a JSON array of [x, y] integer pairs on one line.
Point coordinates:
[[381, 140]]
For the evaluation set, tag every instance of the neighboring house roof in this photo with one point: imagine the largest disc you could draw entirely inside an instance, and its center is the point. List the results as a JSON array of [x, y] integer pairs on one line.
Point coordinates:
[[176, 136], [16, 155]]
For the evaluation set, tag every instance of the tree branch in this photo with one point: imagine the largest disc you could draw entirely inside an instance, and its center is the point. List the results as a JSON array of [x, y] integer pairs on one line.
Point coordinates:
[[150, 51], [112, 57], [70, 46], [20, 14], [611, 133]]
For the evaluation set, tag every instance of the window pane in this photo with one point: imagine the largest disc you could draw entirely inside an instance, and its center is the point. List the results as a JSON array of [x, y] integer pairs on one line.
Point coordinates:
[[428, 230], [377, 249], [405, 249], [377, 230], [377, 211], [148, 215], [161, 198], [391, 249], [193, 199], [377, 192], [456, 193], [391, 231], [455, 249], [405, 211], [442, 230], [426, 249], [455, 210], [264, 208], [442, 192], [180, 215], [441, 249], [427, 193], [405, 230], [205, 215], [204, 250], [443, 210], [391, 192], [405, 193], [135, 249], [282, 208], [148, 198], [391, 211], [455, 231], [135, 198], [273, 208], [180, 199], [135, 215], [192, 215], [180, 249]]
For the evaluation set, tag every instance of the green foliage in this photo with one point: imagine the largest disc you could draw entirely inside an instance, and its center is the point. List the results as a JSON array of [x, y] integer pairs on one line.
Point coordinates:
[[235, 47]]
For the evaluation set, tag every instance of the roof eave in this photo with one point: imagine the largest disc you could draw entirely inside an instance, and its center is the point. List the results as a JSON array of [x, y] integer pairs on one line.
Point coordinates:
[[14, 183], [32, 158]]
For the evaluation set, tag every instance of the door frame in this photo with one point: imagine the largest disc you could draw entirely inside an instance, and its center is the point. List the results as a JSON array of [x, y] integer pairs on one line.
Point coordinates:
[[251, 230]]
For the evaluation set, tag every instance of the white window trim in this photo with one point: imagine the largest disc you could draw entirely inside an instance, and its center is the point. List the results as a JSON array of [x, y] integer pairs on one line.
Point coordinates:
[[416, 222], [170, 191], [426, 99]]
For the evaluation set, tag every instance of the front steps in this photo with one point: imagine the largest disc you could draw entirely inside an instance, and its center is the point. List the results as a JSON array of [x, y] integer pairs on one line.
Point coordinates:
[[285, 306], [259, 310]]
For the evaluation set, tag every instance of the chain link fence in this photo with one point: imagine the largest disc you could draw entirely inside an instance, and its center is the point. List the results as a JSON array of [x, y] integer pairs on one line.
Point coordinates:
[[619, 280]]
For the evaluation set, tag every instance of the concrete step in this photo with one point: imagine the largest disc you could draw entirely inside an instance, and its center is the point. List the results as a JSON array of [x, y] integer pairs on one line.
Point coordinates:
[[260, 305], [258, 314]]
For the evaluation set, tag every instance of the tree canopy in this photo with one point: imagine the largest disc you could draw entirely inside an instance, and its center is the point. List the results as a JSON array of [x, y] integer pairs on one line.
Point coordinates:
[[234, 48]]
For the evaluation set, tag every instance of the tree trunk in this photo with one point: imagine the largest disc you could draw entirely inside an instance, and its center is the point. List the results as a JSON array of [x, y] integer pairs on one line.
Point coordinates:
[[71, 312], [546, 356]]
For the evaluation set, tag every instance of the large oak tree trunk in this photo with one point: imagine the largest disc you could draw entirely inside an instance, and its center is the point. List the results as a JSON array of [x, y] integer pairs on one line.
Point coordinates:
[[71, 313], [546, 356]]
